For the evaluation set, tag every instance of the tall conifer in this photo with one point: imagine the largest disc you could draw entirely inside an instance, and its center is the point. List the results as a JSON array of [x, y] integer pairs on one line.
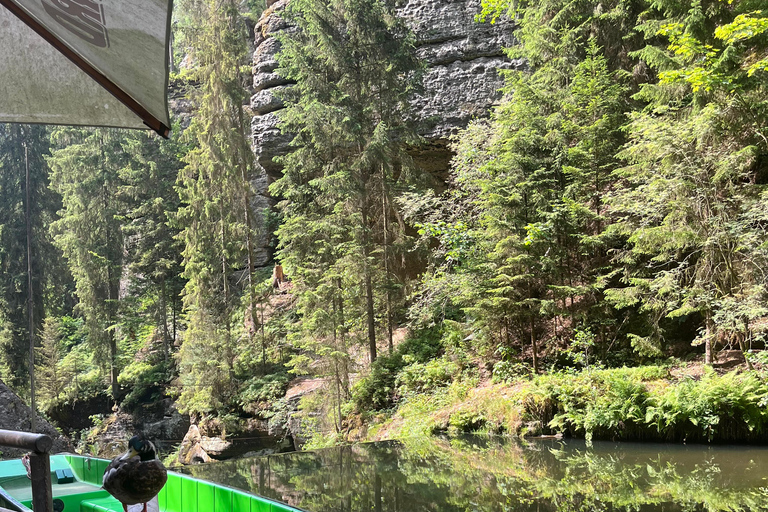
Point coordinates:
[[217, 224], [354, 66]]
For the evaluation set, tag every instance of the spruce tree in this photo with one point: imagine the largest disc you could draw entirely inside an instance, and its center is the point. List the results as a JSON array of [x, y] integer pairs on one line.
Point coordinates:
[[693, 199], [529, 184], [153, 248], [49, 276], [217, 224], [85, 172], [354, 66]]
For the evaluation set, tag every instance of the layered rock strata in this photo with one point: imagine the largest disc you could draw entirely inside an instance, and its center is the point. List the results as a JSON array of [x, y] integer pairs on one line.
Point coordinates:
[[461, 83]]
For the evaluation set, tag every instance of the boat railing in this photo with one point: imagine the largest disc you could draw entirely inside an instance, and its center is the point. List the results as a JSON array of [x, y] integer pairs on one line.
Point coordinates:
[[39, 446]]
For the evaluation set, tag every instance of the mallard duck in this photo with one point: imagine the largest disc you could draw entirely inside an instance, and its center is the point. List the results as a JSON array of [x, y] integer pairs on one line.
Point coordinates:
[[135, 476]]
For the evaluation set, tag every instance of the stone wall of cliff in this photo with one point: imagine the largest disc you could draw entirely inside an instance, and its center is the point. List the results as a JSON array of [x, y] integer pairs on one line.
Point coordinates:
[[461, 83]]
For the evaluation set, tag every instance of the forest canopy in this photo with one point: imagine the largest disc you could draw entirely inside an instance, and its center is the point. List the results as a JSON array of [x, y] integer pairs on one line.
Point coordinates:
[[612, 210]]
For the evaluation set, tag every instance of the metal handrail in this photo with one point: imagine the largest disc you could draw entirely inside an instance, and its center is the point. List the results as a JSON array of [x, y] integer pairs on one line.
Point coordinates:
[[39, 464]]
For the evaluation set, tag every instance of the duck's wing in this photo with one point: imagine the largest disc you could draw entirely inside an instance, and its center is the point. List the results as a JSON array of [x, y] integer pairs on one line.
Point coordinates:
[[143, 480]]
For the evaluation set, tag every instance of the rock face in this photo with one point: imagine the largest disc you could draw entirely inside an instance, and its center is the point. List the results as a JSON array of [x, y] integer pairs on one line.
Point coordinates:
[[461, 82], [15, 415]]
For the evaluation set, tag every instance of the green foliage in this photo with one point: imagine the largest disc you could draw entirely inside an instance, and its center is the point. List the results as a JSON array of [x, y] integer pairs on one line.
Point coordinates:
[[714, 406], [51, 284], [51, 376], [376, 390], [422, 345], [215, 217], [85, 166], [354, 66], [141, 378], [508, 371], [263, 389], [627, 404], [464, 421], [417, 352], [425, 377]]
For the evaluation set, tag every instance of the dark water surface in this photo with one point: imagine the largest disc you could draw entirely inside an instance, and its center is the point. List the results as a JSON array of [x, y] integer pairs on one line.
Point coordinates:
[[497, 474]]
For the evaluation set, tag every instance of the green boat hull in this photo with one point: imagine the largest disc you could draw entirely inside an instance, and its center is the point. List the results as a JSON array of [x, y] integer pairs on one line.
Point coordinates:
[[180, 494]]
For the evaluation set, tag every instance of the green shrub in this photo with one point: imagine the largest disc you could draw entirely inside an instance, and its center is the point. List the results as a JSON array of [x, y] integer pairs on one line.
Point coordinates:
[[423, 344], [376, 390], [506, 371], [423, 377], [606, 403], [262, 389], [140, 378], [728, 406], [465, 421]]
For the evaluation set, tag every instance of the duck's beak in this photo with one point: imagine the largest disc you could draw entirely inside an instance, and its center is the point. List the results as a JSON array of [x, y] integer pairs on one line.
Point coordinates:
[[129, 454]]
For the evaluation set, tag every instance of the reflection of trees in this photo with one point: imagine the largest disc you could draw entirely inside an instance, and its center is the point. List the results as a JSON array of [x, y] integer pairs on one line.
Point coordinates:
[[494, 475]]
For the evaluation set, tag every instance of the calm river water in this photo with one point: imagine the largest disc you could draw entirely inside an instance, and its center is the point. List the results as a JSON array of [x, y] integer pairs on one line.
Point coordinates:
[[497, 474]]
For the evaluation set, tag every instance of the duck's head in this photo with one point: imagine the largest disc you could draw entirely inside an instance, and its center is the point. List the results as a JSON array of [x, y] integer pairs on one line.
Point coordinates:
[[141, 447]]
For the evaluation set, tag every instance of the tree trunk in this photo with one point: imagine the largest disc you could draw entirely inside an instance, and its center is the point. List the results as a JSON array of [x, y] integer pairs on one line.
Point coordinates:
[[164, 319], [385, 216], [248, 244], [533, 345], [368, 283], [708, 352], [30, 299], [343, 339]]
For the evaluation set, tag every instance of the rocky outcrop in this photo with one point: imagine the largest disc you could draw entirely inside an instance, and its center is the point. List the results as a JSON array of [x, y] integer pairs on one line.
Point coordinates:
[[161, 421], [461, 83], [191, 451], [197, 448], [15, 415]]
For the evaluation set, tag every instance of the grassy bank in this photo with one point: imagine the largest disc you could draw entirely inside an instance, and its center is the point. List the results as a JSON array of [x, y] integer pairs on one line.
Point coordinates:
[[676, 403]]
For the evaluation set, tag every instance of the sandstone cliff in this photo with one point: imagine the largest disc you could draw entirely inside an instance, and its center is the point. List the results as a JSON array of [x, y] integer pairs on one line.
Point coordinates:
[[461, 83]]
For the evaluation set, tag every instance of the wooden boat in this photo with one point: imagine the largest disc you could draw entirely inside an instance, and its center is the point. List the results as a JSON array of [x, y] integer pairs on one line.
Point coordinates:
[[76, 484]]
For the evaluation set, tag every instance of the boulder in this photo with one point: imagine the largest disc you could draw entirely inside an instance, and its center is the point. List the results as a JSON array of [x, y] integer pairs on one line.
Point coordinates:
[[16, 415], [196, 448]]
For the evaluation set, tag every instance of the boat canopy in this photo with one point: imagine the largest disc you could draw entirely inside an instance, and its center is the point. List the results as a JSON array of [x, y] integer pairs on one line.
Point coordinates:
[[85, 62]]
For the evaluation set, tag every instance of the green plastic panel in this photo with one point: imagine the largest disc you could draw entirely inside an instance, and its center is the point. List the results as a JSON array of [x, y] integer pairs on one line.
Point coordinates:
[[259, 505], [12, 468], [182, 493], [173, 495], [222, 499], [204, 498], [241, 501], [189, 494], [279, 507], [109, 504]]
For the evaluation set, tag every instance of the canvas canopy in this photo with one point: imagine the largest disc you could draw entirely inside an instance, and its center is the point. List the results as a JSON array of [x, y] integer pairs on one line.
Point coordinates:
[[85, 62]]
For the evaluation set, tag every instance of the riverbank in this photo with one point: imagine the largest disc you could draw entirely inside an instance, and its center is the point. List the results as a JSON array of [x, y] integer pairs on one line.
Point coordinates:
[[676, 402]]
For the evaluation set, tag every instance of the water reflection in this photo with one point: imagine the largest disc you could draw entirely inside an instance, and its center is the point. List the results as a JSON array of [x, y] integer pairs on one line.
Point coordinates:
[[496, 474]]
